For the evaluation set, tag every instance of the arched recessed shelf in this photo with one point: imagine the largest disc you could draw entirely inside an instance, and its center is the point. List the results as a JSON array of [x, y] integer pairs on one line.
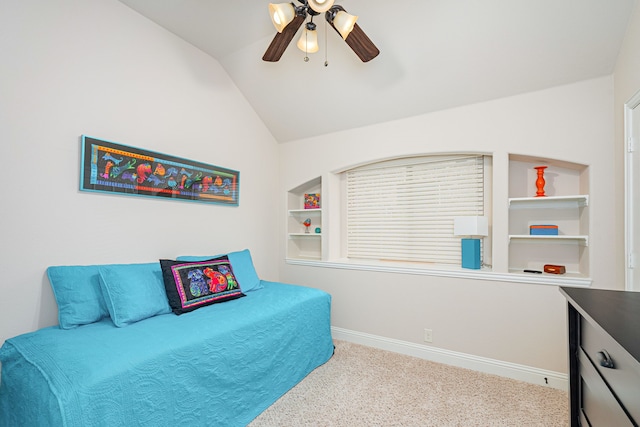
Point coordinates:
[[565, 206], [300, 243]]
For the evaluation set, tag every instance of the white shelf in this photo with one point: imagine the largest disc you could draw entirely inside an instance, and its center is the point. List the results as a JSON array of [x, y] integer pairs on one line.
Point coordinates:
[[305, 234], [553, 202], [568, 278], [305, 211], [582, 240]]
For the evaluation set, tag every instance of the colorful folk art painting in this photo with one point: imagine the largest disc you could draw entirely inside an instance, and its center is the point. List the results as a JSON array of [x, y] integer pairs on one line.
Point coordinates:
[[312, 201], [115, 168]]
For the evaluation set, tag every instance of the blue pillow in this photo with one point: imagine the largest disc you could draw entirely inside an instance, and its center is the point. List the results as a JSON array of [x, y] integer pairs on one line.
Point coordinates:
[[76, 289], [242, 265], [133, 292]]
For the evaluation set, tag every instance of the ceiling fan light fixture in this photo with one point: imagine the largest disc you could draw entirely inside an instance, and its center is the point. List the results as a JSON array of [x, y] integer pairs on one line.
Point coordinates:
[[344, 23], [281, 14], [288, 18], [308, 41], [320, 6]]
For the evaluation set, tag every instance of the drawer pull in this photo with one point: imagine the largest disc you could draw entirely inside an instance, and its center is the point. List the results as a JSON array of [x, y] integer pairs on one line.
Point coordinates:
[[605, 360]]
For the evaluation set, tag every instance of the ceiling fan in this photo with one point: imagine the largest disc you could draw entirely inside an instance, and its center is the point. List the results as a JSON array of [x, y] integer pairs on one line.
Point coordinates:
[[287, 18]]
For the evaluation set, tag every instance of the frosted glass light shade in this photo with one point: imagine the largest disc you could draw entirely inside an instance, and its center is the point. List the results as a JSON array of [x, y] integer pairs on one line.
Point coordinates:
[[320, 6], [470, 226], [344, 23], [281, 15], [308, 41]]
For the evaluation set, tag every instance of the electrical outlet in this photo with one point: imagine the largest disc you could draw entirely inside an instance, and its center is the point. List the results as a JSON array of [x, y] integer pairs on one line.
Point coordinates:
[[428, 335]]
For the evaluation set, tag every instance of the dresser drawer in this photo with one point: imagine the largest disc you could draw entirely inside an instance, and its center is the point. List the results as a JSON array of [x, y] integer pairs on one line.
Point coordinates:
[[624, 377], [598, 405]]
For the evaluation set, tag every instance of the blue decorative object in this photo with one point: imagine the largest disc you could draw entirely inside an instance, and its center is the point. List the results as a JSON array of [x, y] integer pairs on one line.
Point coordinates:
[[471, 254], [318, 230], [543, 230]]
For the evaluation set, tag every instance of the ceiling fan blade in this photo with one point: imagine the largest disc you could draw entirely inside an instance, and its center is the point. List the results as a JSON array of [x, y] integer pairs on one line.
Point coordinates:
[[361, 44], [281, 40]]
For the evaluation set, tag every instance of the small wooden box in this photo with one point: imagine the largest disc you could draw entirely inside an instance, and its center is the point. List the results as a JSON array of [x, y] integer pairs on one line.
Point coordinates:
[[554, 269]]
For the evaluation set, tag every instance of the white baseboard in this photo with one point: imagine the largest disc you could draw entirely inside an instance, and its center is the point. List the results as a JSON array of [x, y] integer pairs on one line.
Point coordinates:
[[514, 371]]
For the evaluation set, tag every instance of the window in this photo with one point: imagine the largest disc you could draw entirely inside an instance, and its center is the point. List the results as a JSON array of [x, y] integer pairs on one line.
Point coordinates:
[[402, 210]]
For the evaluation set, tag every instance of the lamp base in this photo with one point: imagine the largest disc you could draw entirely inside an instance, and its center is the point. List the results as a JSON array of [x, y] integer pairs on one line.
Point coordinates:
[[471, 254]]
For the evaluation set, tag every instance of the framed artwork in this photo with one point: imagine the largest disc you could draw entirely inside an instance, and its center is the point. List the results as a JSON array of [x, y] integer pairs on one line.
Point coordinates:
[[312, 201], [114, 168]]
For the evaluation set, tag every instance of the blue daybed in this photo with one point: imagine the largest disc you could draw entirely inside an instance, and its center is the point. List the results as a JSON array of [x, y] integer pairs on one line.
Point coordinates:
[[217, 365]]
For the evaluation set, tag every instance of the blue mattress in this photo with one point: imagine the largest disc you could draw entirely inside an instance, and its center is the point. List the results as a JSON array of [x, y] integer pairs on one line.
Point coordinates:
[[220, 365]]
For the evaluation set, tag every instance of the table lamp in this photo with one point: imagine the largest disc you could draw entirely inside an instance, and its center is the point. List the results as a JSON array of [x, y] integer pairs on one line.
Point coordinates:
[[471, 227]]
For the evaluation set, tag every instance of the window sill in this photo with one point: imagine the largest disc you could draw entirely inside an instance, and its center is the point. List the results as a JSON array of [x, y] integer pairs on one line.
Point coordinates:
[[448, 271]]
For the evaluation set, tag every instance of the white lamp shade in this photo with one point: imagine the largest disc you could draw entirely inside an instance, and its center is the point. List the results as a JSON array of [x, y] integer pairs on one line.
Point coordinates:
[[344, 23], [281, 15], [470, 226], [308, 41], [320, 6]]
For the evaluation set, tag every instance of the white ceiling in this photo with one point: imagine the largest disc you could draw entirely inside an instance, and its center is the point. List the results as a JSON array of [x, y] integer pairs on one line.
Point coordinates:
[[435, 54]]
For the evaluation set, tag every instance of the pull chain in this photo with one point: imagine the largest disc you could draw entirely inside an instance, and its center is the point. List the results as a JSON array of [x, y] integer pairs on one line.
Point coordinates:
[[306, 46], [326, 46]]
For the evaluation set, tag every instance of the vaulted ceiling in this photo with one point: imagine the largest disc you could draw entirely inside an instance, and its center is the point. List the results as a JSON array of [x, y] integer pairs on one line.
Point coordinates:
[[435, 54]]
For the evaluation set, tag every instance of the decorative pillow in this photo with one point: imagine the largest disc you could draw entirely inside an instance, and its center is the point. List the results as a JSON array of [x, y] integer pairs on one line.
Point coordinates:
[[242, 265], [191, 285], [77, 292], [133, 292]]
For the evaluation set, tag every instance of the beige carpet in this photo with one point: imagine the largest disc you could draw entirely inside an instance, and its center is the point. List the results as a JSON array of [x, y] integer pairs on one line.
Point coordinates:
[[363, 386]]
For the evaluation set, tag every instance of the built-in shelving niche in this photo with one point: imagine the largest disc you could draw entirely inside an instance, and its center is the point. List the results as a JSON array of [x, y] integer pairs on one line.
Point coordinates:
[[300, 244], [566, 204]]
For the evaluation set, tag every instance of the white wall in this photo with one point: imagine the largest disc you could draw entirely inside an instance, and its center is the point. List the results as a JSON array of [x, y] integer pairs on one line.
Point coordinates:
[[512, 322], [73, 67]]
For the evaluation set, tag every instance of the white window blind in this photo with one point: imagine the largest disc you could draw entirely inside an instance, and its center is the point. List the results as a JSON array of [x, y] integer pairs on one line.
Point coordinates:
[[403, 210]]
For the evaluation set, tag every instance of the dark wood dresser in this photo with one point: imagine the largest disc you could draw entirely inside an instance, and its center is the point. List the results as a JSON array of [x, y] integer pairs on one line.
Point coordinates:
[[604, 357]]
